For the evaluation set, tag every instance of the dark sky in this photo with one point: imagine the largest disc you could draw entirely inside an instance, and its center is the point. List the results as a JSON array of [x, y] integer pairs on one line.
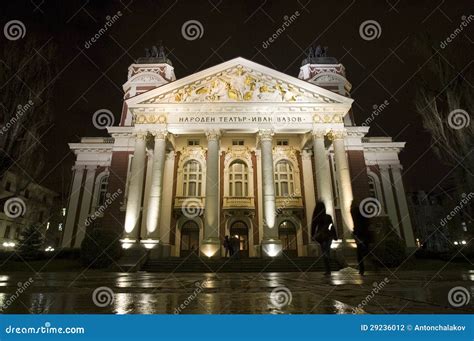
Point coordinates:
[[381, 69]]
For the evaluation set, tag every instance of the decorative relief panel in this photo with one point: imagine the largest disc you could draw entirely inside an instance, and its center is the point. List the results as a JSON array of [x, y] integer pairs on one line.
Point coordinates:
[[239, 84]]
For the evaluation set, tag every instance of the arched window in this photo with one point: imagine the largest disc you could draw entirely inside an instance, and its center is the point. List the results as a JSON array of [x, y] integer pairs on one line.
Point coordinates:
[[238, 179], [192, 179], [284, 184], [102, 194]]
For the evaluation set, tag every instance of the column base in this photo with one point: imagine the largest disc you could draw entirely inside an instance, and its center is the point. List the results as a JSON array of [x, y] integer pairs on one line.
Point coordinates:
[[271, 248], [129, 243], [211, 247], [150, 243]]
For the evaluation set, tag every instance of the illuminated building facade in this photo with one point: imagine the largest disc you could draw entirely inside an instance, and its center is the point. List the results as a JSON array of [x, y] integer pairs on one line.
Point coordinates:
[[237, 149]]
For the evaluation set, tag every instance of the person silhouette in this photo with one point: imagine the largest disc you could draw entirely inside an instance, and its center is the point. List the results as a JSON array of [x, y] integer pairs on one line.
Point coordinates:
[[324, 232]]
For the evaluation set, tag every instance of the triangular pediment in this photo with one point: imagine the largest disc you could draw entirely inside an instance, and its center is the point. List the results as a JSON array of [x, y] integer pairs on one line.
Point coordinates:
[[238, 80]]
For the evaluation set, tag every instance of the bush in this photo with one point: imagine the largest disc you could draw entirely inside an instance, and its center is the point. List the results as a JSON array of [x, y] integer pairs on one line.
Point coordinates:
[[30, 245], [100, 248], [389, 249]]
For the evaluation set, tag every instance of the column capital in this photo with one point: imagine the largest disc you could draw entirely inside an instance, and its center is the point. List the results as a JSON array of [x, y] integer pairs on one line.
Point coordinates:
[[337, 134], [159, 134], [318, 133], [91, 167], [384, 166], [213, 134], [265, 134], [140, 134]]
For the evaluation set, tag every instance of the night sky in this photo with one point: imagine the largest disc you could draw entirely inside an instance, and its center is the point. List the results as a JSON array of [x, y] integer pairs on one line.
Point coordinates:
[[382, 69]]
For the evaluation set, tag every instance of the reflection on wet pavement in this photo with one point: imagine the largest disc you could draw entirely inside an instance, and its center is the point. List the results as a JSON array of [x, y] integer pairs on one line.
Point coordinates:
[[245, 293]]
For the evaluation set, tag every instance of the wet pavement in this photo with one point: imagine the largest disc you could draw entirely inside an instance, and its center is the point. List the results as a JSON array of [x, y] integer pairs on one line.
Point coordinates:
[[243, 293]]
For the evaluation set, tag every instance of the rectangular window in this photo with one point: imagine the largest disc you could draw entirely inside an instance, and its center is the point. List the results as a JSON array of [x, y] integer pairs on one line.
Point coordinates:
[[237, 142], [193, 142], [8, 186], [282, 142]]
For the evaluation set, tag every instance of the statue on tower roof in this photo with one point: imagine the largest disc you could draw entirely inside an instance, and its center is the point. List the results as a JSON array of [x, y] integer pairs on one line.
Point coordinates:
[[319, 55], [155, 55]]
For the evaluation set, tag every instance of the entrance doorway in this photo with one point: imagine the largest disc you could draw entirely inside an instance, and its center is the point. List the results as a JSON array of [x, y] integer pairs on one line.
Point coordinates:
[[239, 234], [287, 233], [189, 239]]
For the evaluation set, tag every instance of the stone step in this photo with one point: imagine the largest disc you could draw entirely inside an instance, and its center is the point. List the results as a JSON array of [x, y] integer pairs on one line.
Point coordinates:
[[195, 264]]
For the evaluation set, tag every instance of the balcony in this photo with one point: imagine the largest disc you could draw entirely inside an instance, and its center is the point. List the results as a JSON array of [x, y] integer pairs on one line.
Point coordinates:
[[189, 203], [289, 202], [238, 203]]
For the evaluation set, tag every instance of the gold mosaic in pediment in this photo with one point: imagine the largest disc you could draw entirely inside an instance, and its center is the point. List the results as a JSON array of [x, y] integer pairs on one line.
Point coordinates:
[[238, 84]]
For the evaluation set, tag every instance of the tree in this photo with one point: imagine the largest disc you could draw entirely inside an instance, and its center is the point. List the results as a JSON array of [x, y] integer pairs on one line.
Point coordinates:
[[26, 81], [30, 244], [445, 101]]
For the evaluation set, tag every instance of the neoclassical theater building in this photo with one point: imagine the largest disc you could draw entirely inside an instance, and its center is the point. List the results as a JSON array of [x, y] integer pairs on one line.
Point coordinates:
[[238, 149]]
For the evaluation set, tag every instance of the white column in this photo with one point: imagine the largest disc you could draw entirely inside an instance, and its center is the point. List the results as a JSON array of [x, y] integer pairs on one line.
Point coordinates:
[[166, 205], [344, 183], [156, 188], [402, 204], [211, 243], [72, 206], [135, 189], [323, 172], [271, 244], [146, 192], [389, 197], [309, 195], [85, 205]]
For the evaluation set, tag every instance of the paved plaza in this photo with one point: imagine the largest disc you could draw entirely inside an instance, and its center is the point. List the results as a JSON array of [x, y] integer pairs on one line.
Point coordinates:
[[344, 292]]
